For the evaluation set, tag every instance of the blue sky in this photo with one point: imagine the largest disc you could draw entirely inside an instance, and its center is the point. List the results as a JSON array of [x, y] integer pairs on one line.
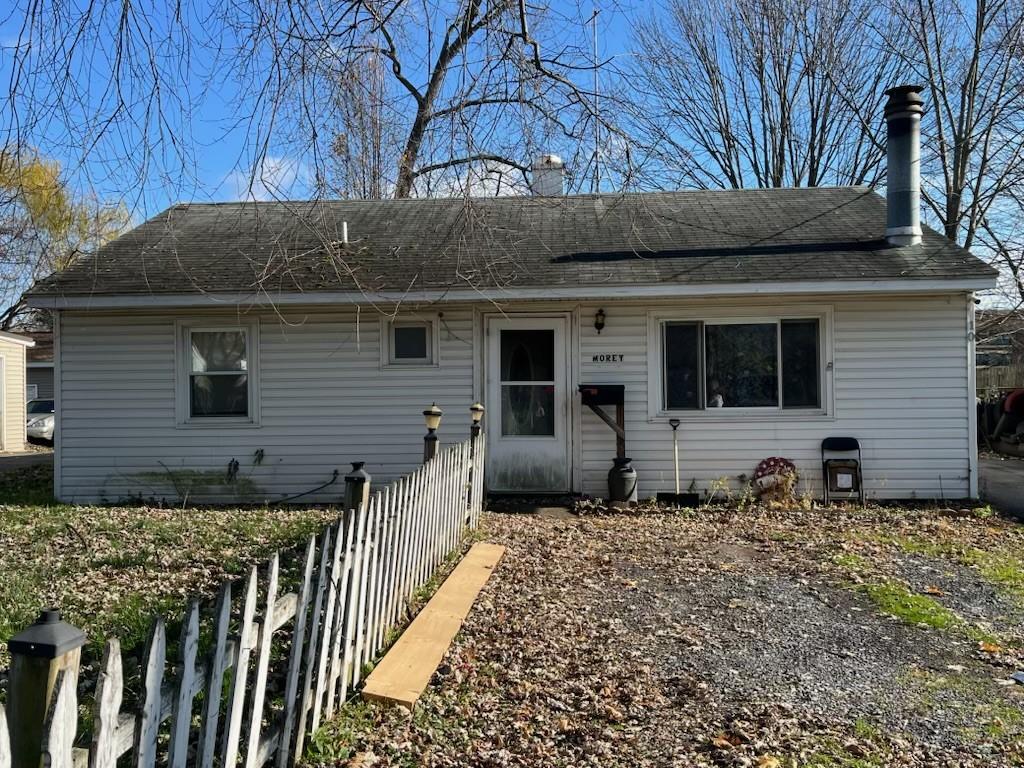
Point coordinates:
[[214, 138]]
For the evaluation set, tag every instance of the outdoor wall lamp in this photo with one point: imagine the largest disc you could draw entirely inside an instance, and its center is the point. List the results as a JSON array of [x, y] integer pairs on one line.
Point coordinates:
[[476, 413], [432, 418], [599, 320]]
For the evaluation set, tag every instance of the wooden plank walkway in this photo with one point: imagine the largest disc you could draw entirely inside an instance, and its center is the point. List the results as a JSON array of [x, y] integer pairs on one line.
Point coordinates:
[[404, 672]]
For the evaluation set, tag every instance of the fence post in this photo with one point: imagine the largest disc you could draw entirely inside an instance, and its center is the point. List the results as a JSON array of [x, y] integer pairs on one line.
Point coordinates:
[[476, 412], [357, 486], [38, 655]]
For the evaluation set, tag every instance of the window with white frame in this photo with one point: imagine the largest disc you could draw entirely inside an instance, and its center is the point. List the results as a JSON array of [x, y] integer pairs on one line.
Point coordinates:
[[218, 373], [755, 364], [410, 342]]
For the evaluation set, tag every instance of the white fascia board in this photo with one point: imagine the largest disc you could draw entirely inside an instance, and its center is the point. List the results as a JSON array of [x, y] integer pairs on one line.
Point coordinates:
[[574, 292], [17, 338]]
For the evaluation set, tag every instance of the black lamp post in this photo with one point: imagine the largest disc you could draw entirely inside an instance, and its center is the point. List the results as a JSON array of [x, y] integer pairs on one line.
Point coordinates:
[[432, 418], [476, 413]]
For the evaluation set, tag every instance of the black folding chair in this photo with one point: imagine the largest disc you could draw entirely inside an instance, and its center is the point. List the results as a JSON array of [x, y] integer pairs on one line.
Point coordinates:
[[833, 469]]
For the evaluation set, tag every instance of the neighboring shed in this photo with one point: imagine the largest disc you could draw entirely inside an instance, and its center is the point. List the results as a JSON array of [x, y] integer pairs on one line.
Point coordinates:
[[12, 391], [39, 366]]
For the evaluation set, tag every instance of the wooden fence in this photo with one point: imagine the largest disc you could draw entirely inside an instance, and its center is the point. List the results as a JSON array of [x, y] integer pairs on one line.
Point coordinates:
[[999, 377], [356, 581]]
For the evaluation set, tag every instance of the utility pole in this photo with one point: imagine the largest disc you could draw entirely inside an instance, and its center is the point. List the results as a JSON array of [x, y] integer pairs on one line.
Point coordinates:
[[597, 108]]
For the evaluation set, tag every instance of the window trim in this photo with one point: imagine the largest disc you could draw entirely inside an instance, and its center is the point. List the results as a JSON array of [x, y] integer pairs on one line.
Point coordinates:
[[183, 373], [656, 395], [387, 342]]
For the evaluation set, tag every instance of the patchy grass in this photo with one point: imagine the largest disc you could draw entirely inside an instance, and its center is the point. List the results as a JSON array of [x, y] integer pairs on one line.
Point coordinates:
[[1001, 565], [897, 600], [336, 740], [110, 569], [28, 486], [1004, 569], [851, 561], [991, 716], [833, 754]]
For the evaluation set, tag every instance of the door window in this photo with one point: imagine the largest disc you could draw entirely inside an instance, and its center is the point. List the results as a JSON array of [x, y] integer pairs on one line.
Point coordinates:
[[528, 383]]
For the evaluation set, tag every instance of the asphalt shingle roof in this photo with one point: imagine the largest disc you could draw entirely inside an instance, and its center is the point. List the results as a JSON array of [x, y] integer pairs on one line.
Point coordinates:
[[693, 237]]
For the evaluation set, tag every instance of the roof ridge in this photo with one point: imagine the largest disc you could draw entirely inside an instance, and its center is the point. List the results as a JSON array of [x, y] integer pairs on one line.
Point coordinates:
[[575, 196]]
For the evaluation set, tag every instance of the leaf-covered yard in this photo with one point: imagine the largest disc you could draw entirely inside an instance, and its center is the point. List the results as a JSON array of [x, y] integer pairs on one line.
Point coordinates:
[[110, 569], [759, 638]]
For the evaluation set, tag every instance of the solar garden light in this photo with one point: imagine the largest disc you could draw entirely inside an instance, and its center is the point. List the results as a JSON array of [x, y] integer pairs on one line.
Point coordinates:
[[39, 654], [476, 413], [357, 486], [674, 423], [432, 418]]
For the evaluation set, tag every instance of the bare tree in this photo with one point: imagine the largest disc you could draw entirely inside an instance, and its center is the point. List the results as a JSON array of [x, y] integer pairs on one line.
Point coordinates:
[[368, 97], [1004, 240], [363, 161], [970, 56], [763, 93]]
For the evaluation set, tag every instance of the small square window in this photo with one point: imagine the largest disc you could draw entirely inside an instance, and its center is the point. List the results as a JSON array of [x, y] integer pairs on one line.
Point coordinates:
[[411, 343]]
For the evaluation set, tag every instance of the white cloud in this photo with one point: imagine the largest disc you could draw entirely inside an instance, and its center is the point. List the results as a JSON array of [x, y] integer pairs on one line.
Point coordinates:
[[275, 178]]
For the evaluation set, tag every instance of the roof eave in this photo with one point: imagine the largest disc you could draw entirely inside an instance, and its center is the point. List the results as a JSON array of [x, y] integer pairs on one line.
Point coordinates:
[[17, 338], [577, 292]]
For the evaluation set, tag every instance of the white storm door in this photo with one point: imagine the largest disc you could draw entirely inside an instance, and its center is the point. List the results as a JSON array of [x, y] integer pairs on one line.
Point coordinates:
[[528, 405]]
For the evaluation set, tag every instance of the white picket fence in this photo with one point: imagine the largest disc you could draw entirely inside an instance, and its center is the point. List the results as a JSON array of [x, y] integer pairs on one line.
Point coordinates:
[[357, 580]]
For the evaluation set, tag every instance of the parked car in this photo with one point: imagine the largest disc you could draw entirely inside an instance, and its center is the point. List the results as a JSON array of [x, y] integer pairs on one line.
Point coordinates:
[[40, 419]]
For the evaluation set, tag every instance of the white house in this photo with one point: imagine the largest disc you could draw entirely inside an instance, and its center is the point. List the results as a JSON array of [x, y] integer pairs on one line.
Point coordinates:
[[294, 338], [13, 347]]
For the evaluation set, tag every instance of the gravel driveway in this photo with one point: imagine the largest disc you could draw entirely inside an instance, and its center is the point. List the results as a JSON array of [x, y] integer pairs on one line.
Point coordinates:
[[735, 639], [1002, 483], [31, 458]]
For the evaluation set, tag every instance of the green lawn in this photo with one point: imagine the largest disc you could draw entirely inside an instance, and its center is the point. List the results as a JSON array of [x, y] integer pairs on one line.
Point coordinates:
[[110, 569]]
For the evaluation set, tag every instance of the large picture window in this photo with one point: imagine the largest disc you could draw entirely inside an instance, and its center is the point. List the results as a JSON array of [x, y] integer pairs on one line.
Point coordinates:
[[765, 364]]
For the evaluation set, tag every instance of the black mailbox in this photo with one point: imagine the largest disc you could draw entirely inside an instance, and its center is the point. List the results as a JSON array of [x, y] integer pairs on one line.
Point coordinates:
[[603, 394]]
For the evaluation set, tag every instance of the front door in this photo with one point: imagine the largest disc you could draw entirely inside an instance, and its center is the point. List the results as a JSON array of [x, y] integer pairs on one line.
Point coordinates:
[[528, 446]]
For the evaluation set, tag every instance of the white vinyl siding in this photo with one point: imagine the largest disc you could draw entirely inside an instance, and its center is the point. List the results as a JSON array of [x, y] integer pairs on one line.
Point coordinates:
[[899, 384], [12, 428], [324, 402], [42, 378]]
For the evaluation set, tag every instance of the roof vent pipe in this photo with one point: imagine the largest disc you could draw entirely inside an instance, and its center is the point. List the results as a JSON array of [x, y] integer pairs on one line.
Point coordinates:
[[547, 176], [903, 156]]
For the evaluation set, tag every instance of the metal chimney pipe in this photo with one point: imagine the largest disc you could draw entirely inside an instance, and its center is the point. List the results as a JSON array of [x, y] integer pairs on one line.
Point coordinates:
[[903, 156]]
